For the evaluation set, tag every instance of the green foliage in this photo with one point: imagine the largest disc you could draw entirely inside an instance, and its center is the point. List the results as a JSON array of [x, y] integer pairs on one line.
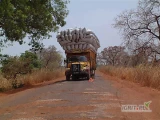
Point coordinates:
[[3, 59], [13, 66], [32, 18], [32, 58]]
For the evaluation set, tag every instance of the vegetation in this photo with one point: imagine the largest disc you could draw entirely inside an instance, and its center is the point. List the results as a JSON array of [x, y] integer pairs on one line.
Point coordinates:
[[50, 58], [138, 60], [140, 28], [113, 55], [32, 18], [30, 68], [13, 66], [33, 78], [145, 75]]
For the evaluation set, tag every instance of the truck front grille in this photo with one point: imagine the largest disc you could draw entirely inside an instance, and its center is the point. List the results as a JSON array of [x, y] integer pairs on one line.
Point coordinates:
[[75, 68]]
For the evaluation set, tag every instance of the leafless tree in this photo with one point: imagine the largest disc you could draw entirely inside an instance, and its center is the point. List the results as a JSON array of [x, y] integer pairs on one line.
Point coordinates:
[[50, 57], [100, 60], [113, 55], [141, 27]]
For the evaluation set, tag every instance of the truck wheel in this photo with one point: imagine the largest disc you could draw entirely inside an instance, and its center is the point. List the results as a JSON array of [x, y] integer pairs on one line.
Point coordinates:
[[67, 77], [88, 76], [74, 77], [93, 74]]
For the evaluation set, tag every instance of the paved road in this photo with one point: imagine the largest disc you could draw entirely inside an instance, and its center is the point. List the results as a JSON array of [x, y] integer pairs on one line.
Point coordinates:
[[67, 100]]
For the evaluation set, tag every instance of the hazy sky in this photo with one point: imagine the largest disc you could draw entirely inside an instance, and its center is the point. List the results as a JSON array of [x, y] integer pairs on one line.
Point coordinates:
[[97, 15]]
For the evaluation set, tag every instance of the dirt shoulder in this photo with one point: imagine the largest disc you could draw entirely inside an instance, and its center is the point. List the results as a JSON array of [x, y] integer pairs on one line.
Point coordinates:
[[135, 94]]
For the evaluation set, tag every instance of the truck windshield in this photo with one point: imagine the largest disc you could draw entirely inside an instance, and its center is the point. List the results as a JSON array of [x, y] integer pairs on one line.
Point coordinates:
[[77, 59]]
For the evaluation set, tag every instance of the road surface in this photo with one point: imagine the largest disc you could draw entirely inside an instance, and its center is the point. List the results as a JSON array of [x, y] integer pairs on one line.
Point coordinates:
[[80, 100]]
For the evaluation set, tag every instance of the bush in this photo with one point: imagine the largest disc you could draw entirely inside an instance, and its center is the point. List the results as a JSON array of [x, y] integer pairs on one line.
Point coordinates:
[[4, 84], [35, 77], [15, 66], [145, 75]]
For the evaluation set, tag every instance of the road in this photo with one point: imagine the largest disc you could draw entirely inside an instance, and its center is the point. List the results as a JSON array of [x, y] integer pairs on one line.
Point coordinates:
[[80, 100]]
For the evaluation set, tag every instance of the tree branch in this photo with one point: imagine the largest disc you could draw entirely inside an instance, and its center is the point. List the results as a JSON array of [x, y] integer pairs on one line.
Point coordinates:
[[156, 17]]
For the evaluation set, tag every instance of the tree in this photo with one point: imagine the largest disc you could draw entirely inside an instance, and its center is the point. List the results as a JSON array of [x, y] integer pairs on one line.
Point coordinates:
[[113, 54], [141, 26], [32, 58], [13, 66], [3, 58], [50, 57], [100, 60], [32, 18]]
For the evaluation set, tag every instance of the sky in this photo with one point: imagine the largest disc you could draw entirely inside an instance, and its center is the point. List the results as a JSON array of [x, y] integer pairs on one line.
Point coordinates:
[[96, 15]]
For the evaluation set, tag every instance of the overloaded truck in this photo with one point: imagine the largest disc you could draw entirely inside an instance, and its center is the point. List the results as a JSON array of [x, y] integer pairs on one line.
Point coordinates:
[[80, 64], [80, 47]]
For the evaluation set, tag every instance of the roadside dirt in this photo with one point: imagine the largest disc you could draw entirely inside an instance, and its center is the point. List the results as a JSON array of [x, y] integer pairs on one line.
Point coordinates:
[[135, 94]]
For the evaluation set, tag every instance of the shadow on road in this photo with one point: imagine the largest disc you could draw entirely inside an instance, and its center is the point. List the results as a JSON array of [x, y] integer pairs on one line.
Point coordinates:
[[61, 81]]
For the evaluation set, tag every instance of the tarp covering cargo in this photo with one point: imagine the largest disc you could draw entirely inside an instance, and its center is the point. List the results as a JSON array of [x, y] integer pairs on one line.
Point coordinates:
[[78, 38]]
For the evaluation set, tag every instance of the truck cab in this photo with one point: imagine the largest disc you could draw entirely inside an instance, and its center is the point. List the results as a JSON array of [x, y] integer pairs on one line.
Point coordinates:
[[80, 65]]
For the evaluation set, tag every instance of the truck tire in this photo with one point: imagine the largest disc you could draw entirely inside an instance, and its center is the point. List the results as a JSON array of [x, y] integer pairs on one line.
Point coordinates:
[[88, 76], [67, 77], [93, 74], [74, 77]]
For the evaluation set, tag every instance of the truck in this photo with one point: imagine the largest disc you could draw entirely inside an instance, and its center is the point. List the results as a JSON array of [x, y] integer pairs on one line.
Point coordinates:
[[80, 64], [80, 46]]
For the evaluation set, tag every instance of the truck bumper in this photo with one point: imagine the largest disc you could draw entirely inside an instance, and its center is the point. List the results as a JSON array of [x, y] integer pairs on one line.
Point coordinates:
[[81, 73]]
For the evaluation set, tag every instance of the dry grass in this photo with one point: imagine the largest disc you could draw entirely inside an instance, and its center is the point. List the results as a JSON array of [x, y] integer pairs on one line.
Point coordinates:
[[36, 77], [145, 75], [41, 76], [4, 84]]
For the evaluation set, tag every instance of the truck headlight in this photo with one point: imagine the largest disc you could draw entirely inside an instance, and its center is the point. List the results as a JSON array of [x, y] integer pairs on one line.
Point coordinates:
[[86, 68]]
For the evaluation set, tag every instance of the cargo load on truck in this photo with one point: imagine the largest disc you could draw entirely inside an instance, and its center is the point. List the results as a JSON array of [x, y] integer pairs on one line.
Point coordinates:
[[78, 39], [80, 45]]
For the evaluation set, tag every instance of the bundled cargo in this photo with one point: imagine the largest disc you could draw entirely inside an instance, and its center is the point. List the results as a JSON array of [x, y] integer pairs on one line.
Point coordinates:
[[78, 38]]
